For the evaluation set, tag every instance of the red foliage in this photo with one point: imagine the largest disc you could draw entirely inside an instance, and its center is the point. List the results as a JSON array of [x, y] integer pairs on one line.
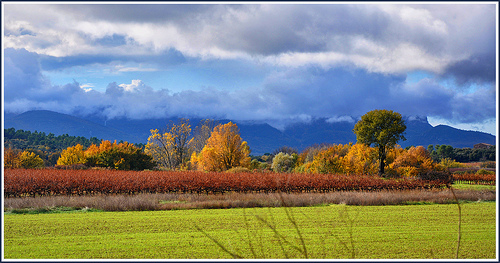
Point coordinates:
[[31, 182], [487, 179]]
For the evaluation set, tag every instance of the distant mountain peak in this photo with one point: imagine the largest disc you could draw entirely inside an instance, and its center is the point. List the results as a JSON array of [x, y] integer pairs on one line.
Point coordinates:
[[422, 119]]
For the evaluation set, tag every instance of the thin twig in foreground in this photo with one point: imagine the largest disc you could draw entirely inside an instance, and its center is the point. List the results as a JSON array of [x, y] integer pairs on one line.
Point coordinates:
[[459, 221], [234, 255]]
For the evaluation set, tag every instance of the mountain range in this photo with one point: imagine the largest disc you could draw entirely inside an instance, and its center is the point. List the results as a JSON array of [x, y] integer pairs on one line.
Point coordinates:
[[261, 137]]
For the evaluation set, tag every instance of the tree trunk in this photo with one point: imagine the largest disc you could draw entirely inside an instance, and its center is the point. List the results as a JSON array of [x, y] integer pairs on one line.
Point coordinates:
[[381, 157]]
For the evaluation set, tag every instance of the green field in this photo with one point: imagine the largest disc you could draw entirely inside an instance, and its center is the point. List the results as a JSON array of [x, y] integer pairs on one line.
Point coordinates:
[[335, 231]]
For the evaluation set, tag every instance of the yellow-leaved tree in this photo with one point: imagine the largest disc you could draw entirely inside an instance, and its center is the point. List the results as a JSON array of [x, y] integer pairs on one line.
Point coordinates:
[[72, 155], [30, 160], [224, 150], [11, 158], [329, 160], [361, 159]]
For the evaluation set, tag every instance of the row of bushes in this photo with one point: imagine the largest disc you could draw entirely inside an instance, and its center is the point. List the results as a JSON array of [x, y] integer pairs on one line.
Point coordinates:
[[43, 182]]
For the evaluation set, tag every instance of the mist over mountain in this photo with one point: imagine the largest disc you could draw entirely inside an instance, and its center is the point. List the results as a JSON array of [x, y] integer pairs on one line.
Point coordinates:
[[261, 137]]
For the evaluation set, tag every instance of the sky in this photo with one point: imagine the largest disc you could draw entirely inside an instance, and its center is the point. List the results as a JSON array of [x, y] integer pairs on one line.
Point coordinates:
[[272, 62]]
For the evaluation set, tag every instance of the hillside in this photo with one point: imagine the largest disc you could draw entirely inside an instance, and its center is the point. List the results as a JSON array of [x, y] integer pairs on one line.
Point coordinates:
[[59, 124], [261, 137]]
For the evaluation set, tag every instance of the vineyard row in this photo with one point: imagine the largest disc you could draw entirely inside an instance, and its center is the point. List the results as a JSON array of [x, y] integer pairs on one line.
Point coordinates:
[[45, 182]]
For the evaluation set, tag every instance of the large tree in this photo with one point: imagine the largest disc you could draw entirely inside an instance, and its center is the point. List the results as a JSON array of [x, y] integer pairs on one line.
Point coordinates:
[[224, 149], [383, 129]]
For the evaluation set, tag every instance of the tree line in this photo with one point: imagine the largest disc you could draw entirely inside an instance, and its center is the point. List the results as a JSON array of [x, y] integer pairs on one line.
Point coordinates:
[[211, 146], [47, 147]]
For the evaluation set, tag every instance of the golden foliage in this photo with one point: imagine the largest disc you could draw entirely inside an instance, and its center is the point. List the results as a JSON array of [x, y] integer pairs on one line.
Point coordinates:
[[11, 158], [224, 149], [72, 155], [361, 159], [30, 160], [329, 160]]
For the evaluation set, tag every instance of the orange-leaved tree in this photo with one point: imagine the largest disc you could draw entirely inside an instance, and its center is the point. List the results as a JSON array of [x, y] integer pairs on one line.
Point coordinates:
[[414, 162], [224, 149]]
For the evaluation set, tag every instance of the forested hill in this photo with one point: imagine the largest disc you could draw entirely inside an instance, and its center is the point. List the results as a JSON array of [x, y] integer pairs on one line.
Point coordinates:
[[20, 139]]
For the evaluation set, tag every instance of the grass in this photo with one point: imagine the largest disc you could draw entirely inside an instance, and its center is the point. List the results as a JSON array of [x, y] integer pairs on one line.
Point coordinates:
[[240, 200], [475, 187], [328, 231], [53, 209]]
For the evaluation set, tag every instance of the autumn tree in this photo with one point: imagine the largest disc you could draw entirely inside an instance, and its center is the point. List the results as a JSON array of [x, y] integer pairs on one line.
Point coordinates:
[[30, 160], [170, 149], [72, 155], [329, 160], [224, 149], [414, 162], [383, 129], [122, 156], [11, 158], [360, 159]]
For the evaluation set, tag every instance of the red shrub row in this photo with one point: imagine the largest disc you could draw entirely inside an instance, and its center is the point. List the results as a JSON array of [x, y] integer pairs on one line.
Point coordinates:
[[31, 182], [488, 179]]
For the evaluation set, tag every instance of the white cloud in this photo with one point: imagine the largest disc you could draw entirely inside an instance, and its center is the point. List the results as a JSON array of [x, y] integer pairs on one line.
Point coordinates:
[[122, 68], [340, 119], [371, 56], [324, 60]]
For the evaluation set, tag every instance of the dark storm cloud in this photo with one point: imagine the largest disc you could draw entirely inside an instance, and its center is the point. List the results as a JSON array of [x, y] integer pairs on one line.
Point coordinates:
[[479, 68]]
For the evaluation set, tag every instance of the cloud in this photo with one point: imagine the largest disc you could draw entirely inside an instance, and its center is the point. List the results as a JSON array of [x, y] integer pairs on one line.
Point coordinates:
[[479, 68], [379, 38], [290, 94], [314, 60], [341, 119]]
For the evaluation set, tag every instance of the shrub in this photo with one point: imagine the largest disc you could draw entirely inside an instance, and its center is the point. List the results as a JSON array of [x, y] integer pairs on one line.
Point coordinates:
[[40, 182], [283, 162], [489, 179]]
